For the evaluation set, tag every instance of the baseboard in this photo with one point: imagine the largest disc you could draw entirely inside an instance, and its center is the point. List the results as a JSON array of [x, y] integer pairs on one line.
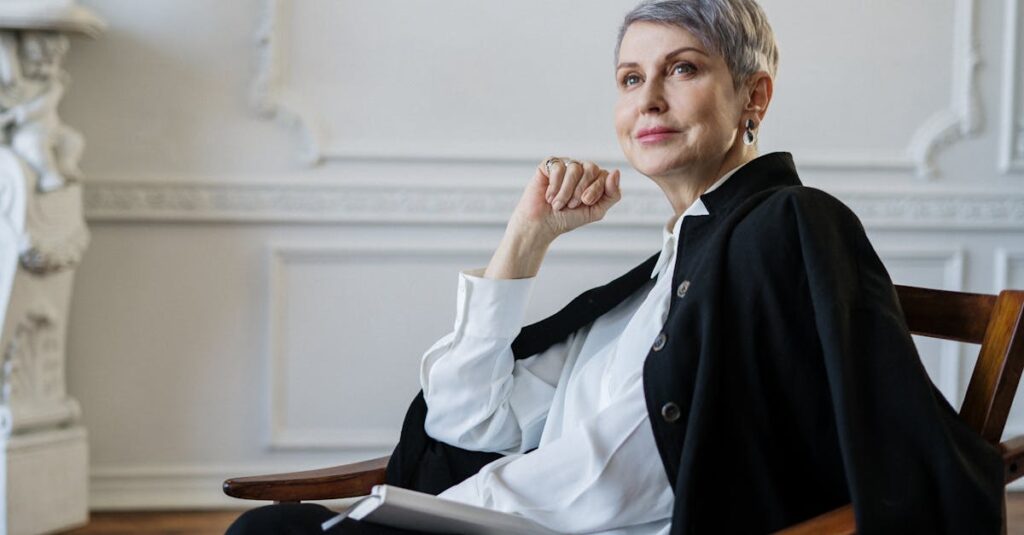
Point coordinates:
[[166, 487]]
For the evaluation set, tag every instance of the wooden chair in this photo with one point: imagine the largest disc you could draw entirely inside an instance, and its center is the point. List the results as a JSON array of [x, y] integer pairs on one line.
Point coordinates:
[[995, 322]]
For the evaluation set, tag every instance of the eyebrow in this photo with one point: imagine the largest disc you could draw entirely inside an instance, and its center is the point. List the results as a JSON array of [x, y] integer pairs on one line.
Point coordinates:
[[667, 56]]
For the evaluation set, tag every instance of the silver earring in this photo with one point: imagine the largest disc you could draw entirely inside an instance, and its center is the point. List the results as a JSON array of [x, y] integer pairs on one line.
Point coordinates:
[[749, 137]]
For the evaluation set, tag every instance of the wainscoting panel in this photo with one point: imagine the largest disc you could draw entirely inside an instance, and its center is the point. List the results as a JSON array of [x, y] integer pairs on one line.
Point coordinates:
[[932, 268], [461, 65], [348, 325], [1011, 146]]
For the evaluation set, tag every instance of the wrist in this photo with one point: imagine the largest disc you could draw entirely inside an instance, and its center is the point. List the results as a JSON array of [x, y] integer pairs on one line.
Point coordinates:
[[519, 255], [529, 233]]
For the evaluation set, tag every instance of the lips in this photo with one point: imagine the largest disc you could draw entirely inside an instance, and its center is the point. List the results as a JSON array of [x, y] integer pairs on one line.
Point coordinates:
[[654, 134]]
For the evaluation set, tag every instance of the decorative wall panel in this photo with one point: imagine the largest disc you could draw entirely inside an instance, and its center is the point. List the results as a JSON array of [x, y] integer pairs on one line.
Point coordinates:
[[932, 268], [1012, 143], [469, 90], [348, 325]]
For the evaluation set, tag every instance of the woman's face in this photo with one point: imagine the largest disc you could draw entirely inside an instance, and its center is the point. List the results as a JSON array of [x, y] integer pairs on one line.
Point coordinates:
[[677, 111]]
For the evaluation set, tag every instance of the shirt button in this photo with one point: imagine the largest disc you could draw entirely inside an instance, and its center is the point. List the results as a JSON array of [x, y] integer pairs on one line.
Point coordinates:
[[683, 287], [670, 412], [659, 342]]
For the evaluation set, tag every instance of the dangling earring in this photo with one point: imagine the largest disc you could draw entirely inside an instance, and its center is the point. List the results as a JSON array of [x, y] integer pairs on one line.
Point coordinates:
[[749, 137]]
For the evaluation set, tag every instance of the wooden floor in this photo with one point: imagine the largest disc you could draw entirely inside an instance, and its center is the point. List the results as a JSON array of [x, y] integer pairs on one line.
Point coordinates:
[[214, 523]]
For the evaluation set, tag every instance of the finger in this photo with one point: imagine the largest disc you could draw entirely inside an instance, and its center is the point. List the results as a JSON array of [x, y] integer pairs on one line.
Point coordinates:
[[555, 177], [573, 173], [595, 191], [590, 174], [612, 192]]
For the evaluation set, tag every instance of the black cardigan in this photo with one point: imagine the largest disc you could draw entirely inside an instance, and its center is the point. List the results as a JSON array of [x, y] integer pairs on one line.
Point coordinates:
[[785, 382]]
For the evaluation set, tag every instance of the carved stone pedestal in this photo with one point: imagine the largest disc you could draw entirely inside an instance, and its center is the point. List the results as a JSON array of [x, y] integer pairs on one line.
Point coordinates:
[[43, 449], [46, 480]]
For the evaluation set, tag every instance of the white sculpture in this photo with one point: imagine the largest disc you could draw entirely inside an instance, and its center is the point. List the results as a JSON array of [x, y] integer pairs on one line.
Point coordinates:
[[30, 90], [43, 449]]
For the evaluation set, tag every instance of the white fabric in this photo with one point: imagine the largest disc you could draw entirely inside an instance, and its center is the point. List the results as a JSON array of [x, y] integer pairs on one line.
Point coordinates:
[[581, 403]]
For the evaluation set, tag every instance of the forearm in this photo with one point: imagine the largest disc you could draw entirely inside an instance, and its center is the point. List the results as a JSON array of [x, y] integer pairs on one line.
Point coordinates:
[[519, 255]]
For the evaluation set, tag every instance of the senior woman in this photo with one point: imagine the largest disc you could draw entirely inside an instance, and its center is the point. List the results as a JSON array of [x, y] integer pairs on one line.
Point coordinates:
[[754, 373]]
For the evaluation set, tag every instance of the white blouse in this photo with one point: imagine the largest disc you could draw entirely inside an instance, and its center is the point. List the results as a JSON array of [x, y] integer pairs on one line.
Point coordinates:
[[580, 403]]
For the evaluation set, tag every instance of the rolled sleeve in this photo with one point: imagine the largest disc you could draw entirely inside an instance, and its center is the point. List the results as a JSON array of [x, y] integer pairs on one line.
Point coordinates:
[[491, 308], [479, 397]]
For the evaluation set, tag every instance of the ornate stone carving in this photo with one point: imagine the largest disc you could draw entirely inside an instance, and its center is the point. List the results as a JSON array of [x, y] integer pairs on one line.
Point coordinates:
[[41, 225], [33, 362], [460, 204], [59, 236], [33, 84], [31, 88]]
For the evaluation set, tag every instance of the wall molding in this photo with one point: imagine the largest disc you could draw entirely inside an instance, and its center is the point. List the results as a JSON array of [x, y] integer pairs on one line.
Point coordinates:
[[270, 99], [184, 486], [926, 207], [1005, 258], [285, 437], [282, 435], [1011, 143], [952, 382], [963, 118]]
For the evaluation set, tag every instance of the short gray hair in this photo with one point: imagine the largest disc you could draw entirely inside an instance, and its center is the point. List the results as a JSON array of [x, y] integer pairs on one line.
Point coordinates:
[[738, 30]]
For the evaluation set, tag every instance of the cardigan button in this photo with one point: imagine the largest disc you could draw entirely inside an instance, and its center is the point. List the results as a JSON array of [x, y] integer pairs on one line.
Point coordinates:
[[670, 412], [683, 288], [659, 342]]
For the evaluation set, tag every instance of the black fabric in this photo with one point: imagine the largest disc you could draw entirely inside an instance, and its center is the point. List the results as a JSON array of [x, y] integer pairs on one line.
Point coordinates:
[[303, 519], [798, 385]]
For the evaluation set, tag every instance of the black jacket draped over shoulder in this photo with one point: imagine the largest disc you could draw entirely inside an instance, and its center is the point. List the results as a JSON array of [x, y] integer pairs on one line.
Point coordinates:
[[785, 382]]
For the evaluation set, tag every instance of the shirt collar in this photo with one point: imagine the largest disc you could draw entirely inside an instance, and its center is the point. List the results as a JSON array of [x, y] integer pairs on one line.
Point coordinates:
[[668, 237]]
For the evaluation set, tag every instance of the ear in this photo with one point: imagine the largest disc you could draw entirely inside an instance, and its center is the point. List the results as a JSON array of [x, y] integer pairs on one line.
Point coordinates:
[[759, 94]]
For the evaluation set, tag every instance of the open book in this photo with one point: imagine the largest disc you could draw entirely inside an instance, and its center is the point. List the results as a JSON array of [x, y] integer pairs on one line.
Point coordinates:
[[403, 508]]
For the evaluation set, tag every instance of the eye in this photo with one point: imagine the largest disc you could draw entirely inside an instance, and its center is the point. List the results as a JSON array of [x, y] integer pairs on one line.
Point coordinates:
[[630, 79], [683, 68]]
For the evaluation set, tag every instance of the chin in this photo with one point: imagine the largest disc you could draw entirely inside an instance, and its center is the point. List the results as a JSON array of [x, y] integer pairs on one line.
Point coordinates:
[[656, 164]]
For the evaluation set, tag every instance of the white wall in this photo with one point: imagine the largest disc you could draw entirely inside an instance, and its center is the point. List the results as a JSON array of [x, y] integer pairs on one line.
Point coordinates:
[[217, 327]]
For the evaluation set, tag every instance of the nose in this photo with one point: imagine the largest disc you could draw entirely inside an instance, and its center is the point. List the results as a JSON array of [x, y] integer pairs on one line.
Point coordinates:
[[653, 98]]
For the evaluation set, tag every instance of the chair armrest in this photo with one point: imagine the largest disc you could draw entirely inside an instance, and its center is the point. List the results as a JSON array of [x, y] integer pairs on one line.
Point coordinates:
[[838, 522], [1013, 457], [345, 481]]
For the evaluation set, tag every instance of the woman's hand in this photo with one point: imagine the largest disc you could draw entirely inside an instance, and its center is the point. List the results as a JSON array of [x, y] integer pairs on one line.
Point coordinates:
[[573, 194]]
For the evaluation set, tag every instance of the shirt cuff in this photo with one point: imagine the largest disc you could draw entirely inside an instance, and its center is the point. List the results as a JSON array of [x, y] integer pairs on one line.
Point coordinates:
[[491, 308]]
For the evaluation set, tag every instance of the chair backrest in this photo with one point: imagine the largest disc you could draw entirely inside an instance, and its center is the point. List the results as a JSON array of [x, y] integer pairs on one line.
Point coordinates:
[[995, 322]]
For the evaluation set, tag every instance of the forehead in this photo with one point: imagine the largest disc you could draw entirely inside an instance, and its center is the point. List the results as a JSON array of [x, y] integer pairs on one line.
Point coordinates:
[[649, 41]]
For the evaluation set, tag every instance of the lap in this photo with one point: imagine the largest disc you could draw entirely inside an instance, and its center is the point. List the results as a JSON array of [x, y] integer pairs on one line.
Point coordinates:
[[302, 519]]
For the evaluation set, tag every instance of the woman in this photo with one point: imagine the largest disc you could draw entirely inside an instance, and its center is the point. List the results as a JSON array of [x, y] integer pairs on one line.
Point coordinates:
[[761, 356]]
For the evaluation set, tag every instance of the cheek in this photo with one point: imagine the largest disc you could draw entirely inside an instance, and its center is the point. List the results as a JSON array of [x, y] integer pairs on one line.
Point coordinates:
[[623, 123]]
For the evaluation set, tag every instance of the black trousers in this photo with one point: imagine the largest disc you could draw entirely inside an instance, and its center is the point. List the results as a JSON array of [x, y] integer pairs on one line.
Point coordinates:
[[303, 519]]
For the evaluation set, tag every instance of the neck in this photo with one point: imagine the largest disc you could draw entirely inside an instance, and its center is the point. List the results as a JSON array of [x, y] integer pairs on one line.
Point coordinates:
[[682, 187]]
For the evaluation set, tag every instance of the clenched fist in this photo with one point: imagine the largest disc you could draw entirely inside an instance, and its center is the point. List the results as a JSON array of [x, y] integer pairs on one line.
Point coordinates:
[[564, 195]]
